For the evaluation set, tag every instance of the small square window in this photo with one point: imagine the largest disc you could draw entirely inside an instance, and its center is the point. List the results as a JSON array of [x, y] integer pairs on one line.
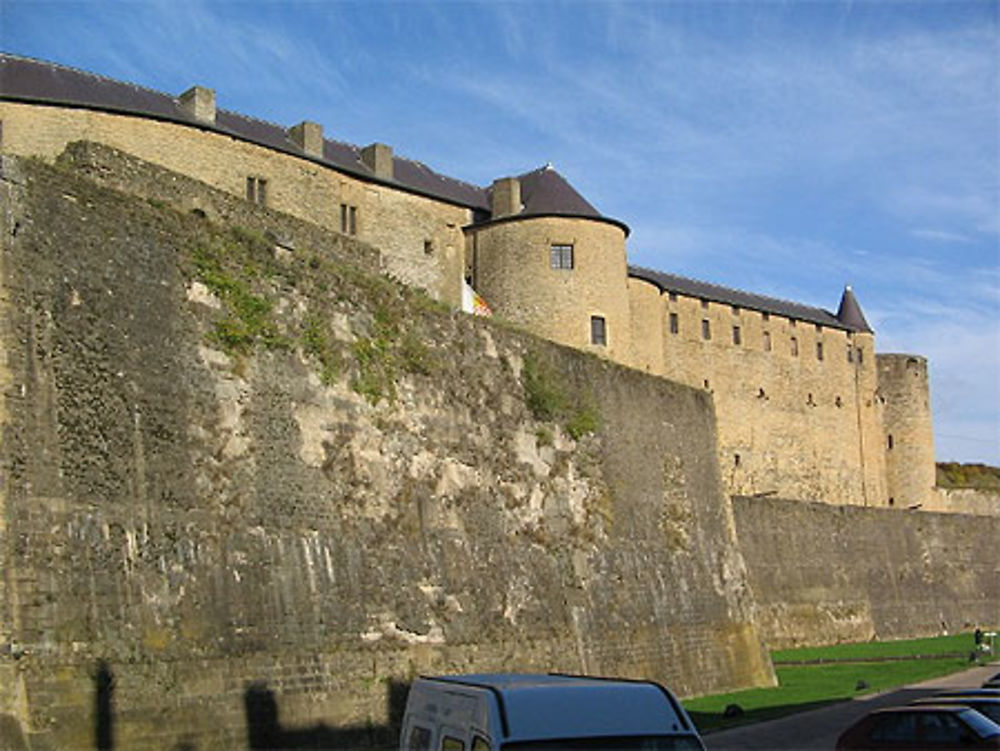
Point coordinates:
[[675, 325], [737, 337], [598, 331], [706, 329], [561, 257]]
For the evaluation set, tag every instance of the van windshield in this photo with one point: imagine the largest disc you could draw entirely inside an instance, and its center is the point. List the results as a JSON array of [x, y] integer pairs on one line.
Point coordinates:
[[623, 743]]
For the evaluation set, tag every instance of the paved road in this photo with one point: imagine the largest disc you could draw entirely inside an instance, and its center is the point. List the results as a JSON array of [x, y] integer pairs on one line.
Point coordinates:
[[819, 728]]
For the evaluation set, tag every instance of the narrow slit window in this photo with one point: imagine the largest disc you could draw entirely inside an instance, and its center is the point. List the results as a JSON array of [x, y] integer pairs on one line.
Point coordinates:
[[706, 329], [795, 347], [598, 331], [767, 341], [737, 336], [675, 324], [348, 219], [819, 350]]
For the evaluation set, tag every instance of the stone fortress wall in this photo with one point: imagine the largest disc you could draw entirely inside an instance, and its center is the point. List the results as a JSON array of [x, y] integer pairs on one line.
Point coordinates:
[[420, 238], [792, 421], [262, 557]]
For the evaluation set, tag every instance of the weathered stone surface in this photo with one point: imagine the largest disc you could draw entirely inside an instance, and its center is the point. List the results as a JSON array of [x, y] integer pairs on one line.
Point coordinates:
[[292, 529], [822, 574]]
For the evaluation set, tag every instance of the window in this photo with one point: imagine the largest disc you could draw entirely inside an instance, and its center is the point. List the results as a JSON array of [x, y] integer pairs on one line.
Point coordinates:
[[791, 322], [675, 324], [672, 296], [897, 727], [561, 257], [420, 739], [428, 247], [795, 347], [766, 316], [598, 331], [737, 338], [480, 744], [257, 190], [850, 353], [819, 328], [819, 350], [767, 341], [704, 304], [861, 355], [706, 329], [735, 309], [348, 219], [889, 442], [452, 744]]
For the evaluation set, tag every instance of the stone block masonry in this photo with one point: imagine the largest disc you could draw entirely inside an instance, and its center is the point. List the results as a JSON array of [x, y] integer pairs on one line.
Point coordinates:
[[823, 574], [251, 490]]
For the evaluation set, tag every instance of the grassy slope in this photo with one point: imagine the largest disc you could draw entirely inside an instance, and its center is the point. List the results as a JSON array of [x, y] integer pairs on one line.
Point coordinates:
[[857, 672]]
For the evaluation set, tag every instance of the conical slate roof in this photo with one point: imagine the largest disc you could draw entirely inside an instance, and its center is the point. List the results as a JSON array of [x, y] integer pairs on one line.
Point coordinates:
[[544, 192], [849, 313]]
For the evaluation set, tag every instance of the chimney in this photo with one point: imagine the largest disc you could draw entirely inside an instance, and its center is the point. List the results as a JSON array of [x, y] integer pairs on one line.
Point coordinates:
[[378, 158], [506, 200], [308, 136], [199, 103]]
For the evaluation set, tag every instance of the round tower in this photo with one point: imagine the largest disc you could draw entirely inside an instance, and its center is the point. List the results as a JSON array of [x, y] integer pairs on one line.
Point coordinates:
[[908, 435], [548, 261]]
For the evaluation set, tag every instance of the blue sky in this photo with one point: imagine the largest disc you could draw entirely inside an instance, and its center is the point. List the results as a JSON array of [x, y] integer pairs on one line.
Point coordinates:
[[788, 148]]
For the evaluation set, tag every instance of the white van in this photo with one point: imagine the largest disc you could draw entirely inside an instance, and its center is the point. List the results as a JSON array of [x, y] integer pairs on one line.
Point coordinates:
[[524, 712]]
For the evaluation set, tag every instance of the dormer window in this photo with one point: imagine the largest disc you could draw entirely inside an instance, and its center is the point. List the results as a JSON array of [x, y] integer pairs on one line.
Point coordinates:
[[561, 256]]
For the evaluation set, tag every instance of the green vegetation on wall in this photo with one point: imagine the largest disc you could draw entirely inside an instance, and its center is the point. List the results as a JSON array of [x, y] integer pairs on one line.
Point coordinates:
[[249, 274], [549, 400]]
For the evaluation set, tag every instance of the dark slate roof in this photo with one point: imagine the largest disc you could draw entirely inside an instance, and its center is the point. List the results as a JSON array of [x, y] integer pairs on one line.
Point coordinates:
[[544, 192], [728, 296], [28, 80], [850, 312]]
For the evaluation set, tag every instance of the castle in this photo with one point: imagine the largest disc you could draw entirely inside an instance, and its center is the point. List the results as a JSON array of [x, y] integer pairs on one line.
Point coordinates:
[[243, 545], [805, 406]]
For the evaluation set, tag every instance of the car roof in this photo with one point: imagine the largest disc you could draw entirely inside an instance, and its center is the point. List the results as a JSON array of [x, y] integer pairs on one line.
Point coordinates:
[[545, 706], [956, 700], [929, 707]]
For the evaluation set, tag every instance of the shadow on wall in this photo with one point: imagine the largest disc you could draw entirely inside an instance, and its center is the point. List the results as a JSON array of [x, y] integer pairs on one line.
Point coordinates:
[[265, 733], [264, 730], [104, 688]]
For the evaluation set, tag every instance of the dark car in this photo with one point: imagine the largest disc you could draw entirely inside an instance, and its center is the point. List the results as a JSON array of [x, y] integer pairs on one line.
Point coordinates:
[[988, 706], [993, 682], [930, 726]]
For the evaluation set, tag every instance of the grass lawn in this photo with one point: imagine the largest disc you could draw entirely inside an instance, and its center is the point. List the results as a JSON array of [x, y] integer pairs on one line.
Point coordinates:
[[804, 687]]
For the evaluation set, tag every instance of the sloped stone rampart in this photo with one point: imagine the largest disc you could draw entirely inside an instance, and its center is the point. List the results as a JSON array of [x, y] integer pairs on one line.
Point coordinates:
[[823, 574], [212, 545]]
